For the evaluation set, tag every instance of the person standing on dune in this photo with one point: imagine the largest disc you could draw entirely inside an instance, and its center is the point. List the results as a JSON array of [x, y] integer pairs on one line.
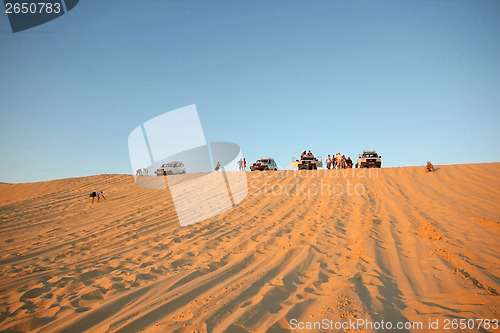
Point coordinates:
[[328, 162], [338, 160]]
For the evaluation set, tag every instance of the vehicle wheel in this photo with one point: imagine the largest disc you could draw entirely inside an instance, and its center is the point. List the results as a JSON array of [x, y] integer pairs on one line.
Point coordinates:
[[302, 167], [275, 169]]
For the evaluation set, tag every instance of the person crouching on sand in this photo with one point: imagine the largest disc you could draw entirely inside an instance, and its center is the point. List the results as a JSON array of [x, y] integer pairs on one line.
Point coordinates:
[[430, 167], [98, 195]]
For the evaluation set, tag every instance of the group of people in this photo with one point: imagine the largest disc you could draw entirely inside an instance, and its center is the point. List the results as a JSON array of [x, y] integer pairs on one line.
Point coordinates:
[[308, 154], [140, 172], [338, 161], [242, 164]]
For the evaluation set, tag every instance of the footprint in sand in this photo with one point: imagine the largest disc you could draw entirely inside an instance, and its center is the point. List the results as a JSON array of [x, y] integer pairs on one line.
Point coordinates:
[[182, 317]]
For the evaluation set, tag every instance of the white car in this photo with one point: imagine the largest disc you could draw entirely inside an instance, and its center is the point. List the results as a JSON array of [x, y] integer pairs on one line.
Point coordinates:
[[369, 159], [171, 168], [265, 163]]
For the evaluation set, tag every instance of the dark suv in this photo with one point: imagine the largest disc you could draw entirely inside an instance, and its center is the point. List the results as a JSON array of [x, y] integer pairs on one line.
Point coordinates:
[[265, 163]]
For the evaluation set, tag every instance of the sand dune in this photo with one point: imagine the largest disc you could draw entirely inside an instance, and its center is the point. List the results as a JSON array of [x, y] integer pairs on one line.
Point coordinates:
[[396, 244]]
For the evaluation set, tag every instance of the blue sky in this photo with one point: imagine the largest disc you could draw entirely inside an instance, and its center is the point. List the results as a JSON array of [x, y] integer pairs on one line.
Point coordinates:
[[415, 80]]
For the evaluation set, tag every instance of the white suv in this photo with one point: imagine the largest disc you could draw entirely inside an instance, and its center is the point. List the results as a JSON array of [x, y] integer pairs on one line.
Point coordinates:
[[265, 163], [369, 159], [171, 168]]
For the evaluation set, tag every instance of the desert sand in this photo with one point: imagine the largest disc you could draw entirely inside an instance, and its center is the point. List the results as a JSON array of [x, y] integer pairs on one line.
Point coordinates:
[[402, 246]]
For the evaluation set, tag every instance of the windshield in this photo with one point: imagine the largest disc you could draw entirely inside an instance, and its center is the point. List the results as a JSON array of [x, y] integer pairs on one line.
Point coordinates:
[[371, 155]]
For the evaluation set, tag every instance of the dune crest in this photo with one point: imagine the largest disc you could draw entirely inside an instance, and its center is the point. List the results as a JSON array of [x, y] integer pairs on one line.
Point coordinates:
[[396, 244]]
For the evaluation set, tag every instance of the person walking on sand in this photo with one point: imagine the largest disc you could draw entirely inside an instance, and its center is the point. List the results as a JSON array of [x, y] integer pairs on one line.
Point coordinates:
[[328, 162], [145, 171], [217, 168], [98, 195], [244, 164], [138, 172], [240, 164]]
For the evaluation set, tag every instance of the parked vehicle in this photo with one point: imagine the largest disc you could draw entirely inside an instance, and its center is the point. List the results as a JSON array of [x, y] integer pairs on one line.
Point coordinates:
[[307, 163], [369, 159], [265, 163], [171, 168]]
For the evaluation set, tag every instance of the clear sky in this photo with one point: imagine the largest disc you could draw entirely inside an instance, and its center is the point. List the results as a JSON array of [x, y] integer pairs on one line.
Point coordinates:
[[415, 80]]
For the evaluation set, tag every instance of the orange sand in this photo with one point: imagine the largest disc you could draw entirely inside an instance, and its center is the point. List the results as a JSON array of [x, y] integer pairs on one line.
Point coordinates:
[[413, 247]]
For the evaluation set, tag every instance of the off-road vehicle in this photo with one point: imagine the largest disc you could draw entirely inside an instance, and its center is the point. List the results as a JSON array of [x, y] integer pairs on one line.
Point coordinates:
[[265, 163], [171, 168], [369, 159], [307, 163]]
